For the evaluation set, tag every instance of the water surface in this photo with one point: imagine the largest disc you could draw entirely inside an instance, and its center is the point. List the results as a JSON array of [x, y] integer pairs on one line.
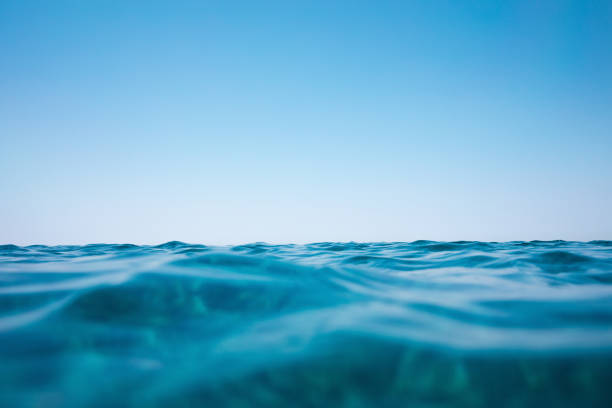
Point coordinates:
[[421, 324]]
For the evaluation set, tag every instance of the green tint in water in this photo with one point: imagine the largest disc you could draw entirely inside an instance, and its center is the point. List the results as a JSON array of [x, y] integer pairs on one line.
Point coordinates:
[[431, 324]]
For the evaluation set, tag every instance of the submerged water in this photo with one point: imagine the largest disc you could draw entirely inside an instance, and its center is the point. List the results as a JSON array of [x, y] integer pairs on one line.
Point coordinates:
[[421, 324]]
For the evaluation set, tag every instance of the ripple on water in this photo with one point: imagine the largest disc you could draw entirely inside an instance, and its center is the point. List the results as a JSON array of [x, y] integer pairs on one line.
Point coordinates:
[[426, 323]]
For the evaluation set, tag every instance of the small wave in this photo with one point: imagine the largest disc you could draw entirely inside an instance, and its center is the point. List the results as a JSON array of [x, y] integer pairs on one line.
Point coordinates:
[[322, 324]]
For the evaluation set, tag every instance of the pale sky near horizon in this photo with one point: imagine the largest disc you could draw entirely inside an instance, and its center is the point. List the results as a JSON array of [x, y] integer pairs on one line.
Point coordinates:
[[225, 122]]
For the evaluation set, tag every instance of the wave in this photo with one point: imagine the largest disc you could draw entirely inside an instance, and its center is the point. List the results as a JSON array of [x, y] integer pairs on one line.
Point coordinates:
[[374, 323]]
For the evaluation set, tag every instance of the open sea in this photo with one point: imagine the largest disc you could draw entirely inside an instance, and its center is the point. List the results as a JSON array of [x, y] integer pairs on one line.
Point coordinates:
[[419, 324]]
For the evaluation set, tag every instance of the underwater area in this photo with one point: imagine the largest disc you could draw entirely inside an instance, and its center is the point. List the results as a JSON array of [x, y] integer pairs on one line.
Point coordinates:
[[419, 324]]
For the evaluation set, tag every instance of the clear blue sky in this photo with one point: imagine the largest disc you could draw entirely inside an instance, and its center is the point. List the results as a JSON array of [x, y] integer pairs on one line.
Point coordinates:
[[224, 122]]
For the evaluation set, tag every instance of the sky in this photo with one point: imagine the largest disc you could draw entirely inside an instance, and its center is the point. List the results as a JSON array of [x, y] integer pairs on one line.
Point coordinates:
[[226, 122]]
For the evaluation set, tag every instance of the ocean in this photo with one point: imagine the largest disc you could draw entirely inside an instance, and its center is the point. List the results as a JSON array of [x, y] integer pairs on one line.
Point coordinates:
[[401, 324]]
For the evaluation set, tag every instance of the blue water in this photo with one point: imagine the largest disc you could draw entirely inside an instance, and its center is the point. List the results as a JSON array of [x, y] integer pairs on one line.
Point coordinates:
[[421, 324]]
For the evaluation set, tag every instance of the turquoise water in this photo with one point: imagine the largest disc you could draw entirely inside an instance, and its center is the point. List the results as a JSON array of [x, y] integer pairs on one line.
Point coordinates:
[[421, 324]]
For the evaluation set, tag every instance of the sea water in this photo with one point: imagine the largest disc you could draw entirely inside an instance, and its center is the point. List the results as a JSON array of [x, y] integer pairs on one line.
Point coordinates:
[[420, 324]]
